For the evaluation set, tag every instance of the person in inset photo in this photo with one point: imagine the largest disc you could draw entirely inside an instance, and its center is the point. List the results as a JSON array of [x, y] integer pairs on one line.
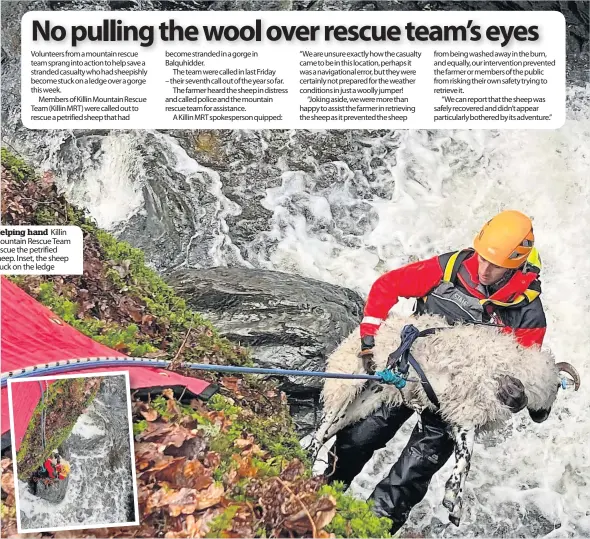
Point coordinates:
[[73, 451]]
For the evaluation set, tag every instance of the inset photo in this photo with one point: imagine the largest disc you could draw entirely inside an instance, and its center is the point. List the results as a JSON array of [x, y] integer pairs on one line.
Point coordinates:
[[73, 453]]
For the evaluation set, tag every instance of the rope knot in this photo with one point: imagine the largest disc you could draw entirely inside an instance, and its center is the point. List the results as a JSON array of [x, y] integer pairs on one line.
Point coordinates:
[[389, 377]]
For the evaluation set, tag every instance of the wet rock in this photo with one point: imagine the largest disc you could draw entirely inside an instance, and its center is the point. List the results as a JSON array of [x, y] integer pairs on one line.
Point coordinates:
[[306, 413], [54, 491], [287, 321]]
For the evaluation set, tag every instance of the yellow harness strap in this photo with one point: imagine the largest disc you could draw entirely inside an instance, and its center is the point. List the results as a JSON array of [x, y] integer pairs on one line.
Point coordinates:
[[450, 266]]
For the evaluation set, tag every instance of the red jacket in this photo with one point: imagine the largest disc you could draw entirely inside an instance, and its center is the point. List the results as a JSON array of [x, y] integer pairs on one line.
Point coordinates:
[[53, 471], [416, 280], [50, 469]]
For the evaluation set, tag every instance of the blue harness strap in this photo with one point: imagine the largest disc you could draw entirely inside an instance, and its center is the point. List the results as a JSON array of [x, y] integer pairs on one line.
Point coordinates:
[[400, 360]]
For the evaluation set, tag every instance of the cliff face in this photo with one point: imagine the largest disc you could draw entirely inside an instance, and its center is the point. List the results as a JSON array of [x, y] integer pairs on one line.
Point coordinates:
[[229, 467]]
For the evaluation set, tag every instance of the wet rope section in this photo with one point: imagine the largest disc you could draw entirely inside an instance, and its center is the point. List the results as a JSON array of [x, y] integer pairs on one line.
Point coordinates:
[[56, 367], [386, 376], [42, 413]]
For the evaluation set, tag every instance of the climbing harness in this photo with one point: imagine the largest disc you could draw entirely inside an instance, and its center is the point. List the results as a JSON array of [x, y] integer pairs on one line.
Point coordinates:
[[400, 360]]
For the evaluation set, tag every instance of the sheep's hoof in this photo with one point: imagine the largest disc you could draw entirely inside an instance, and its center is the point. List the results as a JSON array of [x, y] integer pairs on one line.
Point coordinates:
[[449, 500], [454, 520]]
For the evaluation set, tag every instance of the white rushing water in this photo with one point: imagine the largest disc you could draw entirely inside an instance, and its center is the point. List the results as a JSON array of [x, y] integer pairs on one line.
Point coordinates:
[[407, 195], [100, 486]]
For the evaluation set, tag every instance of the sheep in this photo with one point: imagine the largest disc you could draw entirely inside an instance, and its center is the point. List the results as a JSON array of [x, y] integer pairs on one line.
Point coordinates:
[[464, 366]]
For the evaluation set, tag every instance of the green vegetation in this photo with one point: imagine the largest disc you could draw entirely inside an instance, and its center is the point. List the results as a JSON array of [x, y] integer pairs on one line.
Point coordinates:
[[112, 335], [354, 517], [223, 522], [152, 319], [17, 167]]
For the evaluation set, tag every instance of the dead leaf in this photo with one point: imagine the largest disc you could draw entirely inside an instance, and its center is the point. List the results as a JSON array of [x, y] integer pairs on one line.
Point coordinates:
[[189, 529], [294, 470], [8, 483], [245, 467], [230, 383], [135, 314], [241, 443], [162, 464], [149, 455], [183, 473], [219, 419], [191, 449], [210, 496], [147, 319], [168, 393], [150, 414], [324, 511], [173, 409], [185, 501], [249, 447], [148, 451], [195, 526], [169, 434], [212, 460]]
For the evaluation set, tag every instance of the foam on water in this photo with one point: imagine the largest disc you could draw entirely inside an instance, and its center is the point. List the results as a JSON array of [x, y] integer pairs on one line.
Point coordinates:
[[86, 427], [110, 178]]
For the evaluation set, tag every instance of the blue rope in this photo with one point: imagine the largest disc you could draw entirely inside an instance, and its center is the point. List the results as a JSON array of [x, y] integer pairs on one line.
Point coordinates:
[[382, 376], [42, 414]]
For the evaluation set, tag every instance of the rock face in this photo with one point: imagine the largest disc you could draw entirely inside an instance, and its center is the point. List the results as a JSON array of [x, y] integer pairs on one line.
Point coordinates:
[[53, 492], [287, 321]]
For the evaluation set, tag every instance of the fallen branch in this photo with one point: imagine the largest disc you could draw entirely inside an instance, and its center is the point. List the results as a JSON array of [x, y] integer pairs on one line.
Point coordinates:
[[303, 506], [172, 363], [330, 452]]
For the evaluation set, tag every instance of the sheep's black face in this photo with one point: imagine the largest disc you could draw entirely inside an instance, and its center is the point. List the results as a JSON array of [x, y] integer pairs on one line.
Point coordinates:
[[538, 416], [511, 392]]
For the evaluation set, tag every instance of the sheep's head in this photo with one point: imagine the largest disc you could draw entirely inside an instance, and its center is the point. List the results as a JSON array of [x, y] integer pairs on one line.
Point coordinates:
[[541, 413]]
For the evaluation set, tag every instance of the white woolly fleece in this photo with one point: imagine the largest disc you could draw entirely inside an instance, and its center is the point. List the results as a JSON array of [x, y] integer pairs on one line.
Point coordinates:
[[463, 365]]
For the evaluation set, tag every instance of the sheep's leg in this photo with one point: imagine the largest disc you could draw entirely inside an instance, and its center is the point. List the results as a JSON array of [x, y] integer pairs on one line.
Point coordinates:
[[455, 515], [453, 499], [328, 419], [362, 406]]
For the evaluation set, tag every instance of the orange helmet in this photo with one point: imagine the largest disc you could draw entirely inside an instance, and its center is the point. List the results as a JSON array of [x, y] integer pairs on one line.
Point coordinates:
[[506, 240]]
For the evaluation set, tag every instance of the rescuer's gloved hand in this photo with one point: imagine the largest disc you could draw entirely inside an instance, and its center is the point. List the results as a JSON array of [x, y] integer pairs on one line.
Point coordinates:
[[366, 354], [511, 393]]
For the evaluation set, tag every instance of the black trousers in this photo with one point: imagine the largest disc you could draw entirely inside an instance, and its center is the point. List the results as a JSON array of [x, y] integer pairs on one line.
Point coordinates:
[[428, 449]]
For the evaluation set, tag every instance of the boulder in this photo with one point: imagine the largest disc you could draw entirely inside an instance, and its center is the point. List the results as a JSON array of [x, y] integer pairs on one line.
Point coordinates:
[[54, 491], [287, 321]]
